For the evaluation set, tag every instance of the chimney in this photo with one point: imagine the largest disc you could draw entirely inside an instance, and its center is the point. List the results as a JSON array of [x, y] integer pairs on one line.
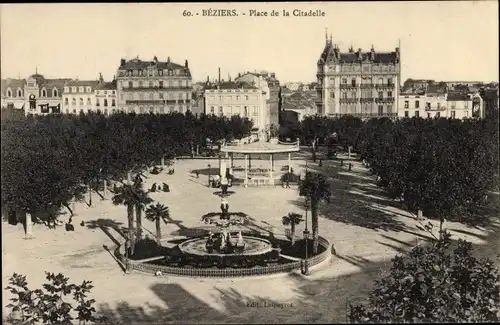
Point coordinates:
[[351, 49], [219, 74], [239, 74], [168, 59], [208, 79], [101, 79], [155, 59], [360, 54], [186, 64], [122, 62]]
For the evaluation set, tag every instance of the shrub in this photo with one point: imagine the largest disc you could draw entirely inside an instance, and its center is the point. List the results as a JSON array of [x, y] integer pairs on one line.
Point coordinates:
[[47, 305], [432, 285]]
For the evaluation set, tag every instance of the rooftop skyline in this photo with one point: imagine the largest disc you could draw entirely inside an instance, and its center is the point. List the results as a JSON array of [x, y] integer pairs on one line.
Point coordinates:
[[439, 40]]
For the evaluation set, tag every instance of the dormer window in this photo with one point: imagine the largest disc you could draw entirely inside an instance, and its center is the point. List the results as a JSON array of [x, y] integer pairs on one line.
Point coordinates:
[[80, 89], [66, 89], [19, 93], [73, 89], [89, 89], [9, 93], [54, 93], [44, 93], [160, 72]]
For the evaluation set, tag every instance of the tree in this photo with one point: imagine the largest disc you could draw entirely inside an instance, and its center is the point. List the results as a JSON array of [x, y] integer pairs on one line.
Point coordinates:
[[316, 188], [157, 213], [47, 305], [292, 219], [432, 285], [129, 196], [141, 201]]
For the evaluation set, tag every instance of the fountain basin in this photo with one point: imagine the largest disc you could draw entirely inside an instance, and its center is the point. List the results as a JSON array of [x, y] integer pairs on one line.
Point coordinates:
[[253, 246]]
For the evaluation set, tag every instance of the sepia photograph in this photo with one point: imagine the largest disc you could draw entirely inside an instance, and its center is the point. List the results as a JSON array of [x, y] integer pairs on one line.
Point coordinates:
[[253, 162]]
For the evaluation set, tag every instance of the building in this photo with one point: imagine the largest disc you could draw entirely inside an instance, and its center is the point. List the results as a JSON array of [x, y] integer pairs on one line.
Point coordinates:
[[456, 104], [293, 86], [79, 96], [105, 95], [43, 96], [270, 86], [227, 98], [12, 93], [301, 111], [154, 86], [358, 83]]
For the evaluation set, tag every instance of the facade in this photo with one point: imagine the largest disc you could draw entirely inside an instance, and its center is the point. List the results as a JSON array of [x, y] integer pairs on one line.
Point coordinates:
[[106, 97], [270, 86], [12, 93], [154, 86], [238, 98], [79, 96], [457, 105], [363, 84], [43, 96]]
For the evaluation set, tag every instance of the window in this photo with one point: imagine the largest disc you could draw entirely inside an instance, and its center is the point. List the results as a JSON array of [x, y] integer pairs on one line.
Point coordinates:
[[105, 111], [439, 105], [66, 101], [97, 102], [160, 72], [160, 95], [380, 81], [113, 102], [73, 89], [466, 114], [380, 110], [220, 98], [212, 109], [105, 102], [130, 84], [407, 113], [9, 93], [245, 110], [105, 92], [353, 94], [246, 97], [221, 110], [417, 104], [428, 115], [140, 84], [80, 89], [344, 80], [389, 94], [55, 93], [389, 81], [89, 101], [380, 94], [417, 113], [452, 114], [353, 82], [44, 93], [161, 84], [237, 97], [332, 94], [407, 104], [453, 105], [20, 93], [141, 96], [428, 105], [344, 95], [438, 114], [151, 84], [73, 101], [255, 110], [66, 89], [466, 104], [81, 101], [89, 89]]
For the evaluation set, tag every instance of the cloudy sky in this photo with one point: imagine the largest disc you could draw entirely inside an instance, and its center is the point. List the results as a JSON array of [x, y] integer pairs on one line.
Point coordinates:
[[439, 40]]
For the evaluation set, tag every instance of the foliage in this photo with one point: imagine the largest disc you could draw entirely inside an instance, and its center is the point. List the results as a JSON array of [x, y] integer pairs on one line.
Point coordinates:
[[47, 305], [435, 286], [49, 160], [158, 213]]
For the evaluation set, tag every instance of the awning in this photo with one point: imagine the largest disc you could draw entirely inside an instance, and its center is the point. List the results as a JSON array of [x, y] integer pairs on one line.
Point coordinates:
[[18, 105]]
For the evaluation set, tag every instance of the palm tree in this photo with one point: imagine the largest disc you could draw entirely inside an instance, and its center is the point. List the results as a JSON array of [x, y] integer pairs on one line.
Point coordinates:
[[142, 200], [292, 219], [317, 188], [156, 213], [130, 196]]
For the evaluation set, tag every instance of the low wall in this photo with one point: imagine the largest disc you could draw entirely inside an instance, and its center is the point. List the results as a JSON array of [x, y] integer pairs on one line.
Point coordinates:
[[140, 265]]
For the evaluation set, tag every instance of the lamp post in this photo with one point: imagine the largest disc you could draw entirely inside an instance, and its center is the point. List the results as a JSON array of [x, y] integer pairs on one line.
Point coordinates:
[[209, 174], [306, 237]]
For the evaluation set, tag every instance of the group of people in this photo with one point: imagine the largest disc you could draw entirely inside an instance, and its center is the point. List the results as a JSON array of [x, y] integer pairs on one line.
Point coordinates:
[[165, 187]]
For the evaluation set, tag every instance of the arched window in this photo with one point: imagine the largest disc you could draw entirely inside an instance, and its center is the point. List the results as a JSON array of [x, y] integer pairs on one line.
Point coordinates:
[[19, 93], [9, 93], [55, 93], [44, 93], [97, 102], [81, 101], [89, 101], [73, 101], [66, 101]]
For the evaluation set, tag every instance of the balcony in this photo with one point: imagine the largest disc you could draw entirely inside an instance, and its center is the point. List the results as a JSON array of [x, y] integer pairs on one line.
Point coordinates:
[[347, 86], [366, 86], [144, 102], [435, 108], [366, 99], [157, 88], [384, 100], [348, 100], [390, 86]]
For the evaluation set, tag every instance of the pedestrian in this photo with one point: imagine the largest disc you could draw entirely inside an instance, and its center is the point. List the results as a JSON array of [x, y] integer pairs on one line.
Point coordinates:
[[197, 174], [333, 251], [320, 163], [350, 166], [341, 162], [288, 180]]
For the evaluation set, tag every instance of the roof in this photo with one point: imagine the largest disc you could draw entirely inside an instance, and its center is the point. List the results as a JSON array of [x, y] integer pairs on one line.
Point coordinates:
[[230, 85], [330, 51], [140, 64], [84, 83], [13, 84], [457, 96], [107, 85], [261, 147]]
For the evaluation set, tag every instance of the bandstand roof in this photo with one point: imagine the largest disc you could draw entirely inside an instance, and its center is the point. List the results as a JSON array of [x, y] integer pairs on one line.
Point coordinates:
[[261, 147]]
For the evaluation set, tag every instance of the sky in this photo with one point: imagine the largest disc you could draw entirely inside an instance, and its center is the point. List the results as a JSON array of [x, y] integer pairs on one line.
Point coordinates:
[[439, 40]]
